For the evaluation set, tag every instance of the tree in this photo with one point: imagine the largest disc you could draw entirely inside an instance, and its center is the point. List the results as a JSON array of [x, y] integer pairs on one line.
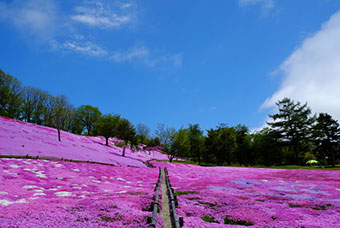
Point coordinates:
[[143, 133], [267, 148], [227, 144], [30, 98], [62, 111], [243, 148], [195, 137], [292, 125], [107, 126], [88, 116], [221, 144], [11, 96], [126, 132], [327, 137], [180, 144], [164, 134], [40, 109]]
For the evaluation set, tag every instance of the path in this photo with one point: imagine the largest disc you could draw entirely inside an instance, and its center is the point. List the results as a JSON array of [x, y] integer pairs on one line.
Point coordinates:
[[165, 212]]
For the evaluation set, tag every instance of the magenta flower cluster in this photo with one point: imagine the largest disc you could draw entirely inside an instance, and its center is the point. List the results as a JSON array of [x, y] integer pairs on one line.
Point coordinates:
[[227, 197]]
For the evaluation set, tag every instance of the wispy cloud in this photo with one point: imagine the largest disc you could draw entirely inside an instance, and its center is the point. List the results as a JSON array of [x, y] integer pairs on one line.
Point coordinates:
[[265, 4], [31, 17], [312, 72], [141, 54], [98, 14], [87, 48]]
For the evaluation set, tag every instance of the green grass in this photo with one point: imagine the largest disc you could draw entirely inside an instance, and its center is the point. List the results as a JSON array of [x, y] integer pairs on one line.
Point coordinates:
[[209, 219], [237, 222], [184, 193]]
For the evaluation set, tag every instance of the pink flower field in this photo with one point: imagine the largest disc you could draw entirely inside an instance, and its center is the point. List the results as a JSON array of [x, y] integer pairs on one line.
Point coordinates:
[[240, 197], [52, 193], [21, 138], [42, 193]]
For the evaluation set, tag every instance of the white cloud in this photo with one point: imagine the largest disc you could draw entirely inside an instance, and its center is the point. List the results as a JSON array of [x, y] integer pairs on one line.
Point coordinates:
[[142, 54], [265, 4], [87, 48], [312, 72], [98, 14], [31, 17]]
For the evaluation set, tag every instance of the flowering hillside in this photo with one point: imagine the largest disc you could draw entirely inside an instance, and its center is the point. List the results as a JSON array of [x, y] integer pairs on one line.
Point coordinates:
[[225, 197], [21, 138], [42, 193]]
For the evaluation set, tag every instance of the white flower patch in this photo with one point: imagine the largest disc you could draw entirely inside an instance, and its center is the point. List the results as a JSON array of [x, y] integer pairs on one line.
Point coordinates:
[[76, 170], [33, 170], [34, 198], [40, 174], [82, 196], [85, 185], [126, 186], [53, 189], [14, 166], [121, 179], [27, 162], [338, 189], [7, 202], [59, 186], [45, 160], [121, 192], [104, 177], [112, 178], [60, 178], [128, 182], [139, 182], [265, 180], [96, 181], [3, 193], [38, 190], [76, 187], [39, 194], [92, 177], [58, 165], [30, 186], [63, 194], [107, 182]]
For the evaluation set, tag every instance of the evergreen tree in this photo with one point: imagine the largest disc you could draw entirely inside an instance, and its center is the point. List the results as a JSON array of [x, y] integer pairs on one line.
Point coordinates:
[[327, 137], [292, 125]]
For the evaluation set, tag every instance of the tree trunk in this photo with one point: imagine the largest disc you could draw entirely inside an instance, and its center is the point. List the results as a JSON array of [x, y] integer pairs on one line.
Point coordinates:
[[124, 151], [333, 158], [170, 159], [59, 134], [107, 141]]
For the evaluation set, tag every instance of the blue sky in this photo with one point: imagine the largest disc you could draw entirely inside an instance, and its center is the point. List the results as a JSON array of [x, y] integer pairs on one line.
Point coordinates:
[[177, 62]]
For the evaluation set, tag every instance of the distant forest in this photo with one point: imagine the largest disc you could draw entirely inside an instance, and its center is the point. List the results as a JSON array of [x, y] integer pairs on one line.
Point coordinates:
[[293, 135]]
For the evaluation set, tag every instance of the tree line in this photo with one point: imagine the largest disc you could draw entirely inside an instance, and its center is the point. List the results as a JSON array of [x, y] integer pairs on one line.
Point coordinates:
[[292, 136]]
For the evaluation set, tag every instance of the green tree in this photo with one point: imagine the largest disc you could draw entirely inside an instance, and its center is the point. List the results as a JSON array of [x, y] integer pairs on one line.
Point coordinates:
[[292, 125], [88, 116], [107, 126], [61, 112], [195, 136], [243, 152], [40, 108], [30, 102], [11, 96], [266, 147], [327, 137], [126, 132], [179, 145]]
